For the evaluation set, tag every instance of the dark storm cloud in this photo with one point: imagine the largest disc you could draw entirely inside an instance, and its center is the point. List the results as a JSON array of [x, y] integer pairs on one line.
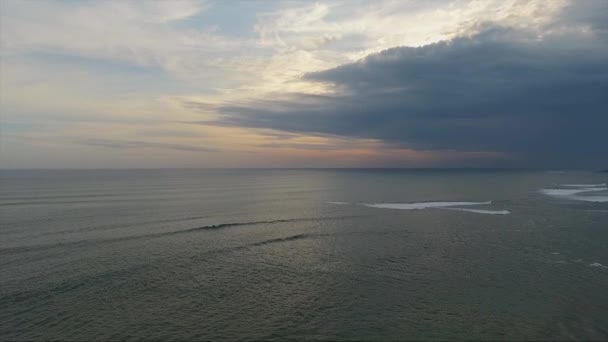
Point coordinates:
[[588, 13], [543, 101]]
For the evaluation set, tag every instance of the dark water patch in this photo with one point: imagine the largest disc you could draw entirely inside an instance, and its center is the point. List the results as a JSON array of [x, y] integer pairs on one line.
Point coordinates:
[[265, 243], [35, 300], [41, 296], [286, 239]]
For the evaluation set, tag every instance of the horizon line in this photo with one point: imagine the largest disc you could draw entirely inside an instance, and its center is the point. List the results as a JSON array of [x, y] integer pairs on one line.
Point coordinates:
[[300, 168]]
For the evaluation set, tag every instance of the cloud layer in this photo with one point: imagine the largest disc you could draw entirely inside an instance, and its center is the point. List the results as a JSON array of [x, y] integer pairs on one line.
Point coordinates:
[[540, 99], [293, 83]]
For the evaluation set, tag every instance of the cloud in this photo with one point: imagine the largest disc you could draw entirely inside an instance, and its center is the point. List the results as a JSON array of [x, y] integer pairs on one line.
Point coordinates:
[[382, 24], [540, 100], [296, 79], [590, 15], [127, 144], [133, 33]]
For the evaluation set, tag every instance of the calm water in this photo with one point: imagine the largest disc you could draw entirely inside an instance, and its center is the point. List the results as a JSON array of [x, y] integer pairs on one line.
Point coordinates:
[[261, 254]]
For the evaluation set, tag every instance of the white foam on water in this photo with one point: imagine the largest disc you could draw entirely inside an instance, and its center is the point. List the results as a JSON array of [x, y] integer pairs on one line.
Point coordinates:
[[599, 199], [482, 211], [420, 205], [597, 264], [575, 194], [569, 192], [338, 203], [585, 185]]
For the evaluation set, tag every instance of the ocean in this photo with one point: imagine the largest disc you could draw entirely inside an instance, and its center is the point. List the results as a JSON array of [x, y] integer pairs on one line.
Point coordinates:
[[304, 254]]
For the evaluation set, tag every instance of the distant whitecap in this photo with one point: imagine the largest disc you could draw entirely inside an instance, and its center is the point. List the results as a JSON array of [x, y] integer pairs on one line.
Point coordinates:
[[578, 194], [420, 205], [597, 199], [585, 185], [337, 203], [569, 192], [482, 211]]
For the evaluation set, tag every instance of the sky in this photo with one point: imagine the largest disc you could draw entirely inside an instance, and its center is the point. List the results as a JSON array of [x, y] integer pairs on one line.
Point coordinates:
[[338, 83]]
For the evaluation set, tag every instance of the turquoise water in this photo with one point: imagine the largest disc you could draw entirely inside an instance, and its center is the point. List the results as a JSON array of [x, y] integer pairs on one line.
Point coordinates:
[[303, 254]]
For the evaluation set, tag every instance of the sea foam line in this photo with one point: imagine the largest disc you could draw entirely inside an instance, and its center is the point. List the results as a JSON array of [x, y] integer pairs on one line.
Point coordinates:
[[569, 192], [481, 211], [585, 185], [421, 205], [428, 205], [575, 194], [597, 199]]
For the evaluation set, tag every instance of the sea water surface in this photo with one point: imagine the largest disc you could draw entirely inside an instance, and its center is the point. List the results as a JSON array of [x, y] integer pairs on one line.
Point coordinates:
[[303, 254]]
